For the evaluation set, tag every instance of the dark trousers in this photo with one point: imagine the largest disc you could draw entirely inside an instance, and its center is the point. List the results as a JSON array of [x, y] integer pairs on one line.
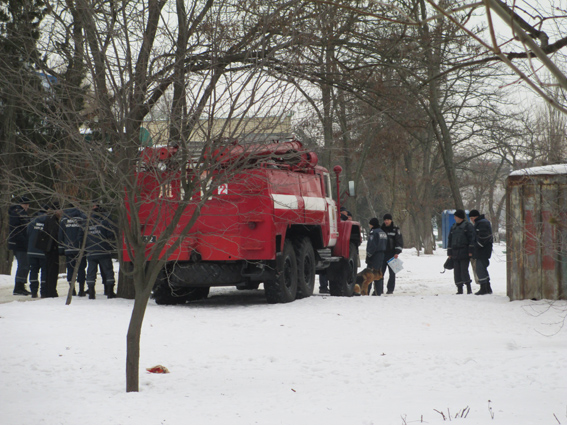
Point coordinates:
[[378, 287], [23, 267], [482, 270], [81, 272], [461, 271], [323, 281], [106, 270], [391, 275], [52, 261], [38, 264]]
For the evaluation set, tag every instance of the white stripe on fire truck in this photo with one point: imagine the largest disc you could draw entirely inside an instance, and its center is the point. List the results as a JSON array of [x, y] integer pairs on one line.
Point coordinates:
[[285, 202], [290, 202], [313, 203]]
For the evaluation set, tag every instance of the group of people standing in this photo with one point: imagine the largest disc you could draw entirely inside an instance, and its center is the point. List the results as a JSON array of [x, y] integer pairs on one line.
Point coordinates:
[[86, 241], [384, 243], [470, 242]]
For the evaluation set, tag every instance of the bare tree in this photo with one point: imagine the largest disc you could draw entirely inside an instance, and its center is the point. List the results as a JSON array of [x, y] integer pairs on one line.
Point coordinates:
[[109, 65]]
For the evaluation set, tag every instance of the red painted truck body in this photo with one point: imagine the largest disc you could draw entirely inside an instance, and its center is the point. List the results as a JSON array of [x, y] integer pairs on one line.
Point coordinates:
[[270, 218]]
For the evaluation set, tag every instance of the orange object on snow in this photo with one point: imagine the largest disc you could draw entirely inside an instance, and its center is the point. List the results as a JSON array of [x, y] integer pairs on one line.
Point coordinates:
[[158, 369]]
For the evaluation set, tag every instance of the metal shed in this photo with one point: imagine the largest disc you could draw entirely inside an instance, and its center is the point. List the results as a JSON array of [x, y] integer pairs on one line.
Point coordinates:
[[536, 233]]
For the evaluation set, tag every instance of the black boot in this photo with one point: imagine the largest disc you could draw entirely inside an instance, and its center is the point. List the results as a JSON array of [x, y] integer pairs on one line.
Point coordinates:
[[469, 289], [82, 292], [20, 289], [459, 289], [110, 291], [488, 288], [482, 290], [91, 292]]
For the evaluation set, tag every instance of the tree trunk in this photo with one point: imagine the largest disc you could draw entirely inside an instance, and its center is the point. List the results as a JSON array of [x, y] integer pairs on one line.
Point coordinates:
[[7, 149], [125, 288], [133, 342]]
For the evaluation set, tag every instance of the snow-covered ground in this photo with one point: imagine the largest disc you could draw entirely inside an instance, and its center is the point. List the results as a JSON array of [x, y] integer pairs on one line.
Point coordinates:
[[422, 355]]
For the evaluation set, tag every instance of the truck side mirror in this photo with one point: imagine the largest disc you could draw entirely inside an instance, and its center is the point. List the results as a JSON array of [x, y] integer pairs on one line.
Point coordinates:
[[351, 191]]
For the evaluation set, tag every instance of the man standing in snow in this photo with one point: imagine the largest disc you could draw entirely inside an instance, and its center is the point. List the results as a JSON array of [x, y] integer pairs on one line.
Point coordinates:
[[395, 246], [36, 256], [482, 250], [51, 227], [71, 236], [460, 249], [100, 247], [18, 242], [375, 249]]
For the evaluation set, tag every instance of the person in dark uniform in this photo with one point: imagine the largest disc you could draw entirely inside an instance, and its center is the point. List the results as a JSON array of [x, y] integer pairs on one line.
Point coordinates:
[[375, 250], [71, 237], [482, 250], [18, 242], [36, 256], [394, 249], [51, 227], [100, 247], [460, 248]]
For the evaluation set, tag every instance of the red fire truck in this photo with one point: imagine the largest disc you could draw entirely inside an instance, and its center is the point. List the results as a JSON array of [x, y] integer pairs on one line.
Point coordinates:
[[266, 214]]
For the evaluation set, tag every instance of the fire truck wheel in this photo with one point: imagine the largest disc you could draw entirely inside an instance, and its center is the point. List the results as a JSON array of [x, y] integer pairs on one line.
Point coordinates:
[[305, 268], [283, 289], [162, 295], [342, 276]]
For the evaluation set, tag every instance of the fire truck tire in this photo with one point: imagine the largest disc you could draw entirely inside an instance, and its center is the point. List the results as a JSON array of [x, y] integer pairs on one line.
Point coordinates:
[[305, 268], [342, 276], [163, 294], [283, 289]]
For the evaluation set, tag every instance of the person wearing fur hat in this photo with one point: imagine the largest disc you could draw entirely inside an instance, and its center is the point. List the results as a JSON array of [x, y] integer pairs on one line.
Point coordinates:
[[482, 250], [460, 248], [375, 249], [394, 248]]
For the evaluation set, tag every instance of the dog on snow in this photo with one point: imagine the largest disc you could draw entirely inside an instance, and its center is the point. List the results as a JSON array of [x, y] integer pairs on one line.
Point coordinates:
[[364, 278]]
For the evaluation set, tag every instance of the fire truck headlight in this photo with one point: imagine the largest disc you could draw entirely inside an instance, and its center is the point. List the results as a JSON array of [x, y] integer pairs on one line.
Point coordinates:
[[251, 225]]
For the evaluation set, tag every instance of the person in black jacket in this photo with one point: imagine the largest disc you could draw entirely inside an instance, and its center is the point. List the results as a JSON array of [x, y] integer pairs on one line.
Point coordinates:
[[71, 235], [375, 249], [51, 227], [18, 242], [394, 248], [460, 248], [36, 256], [482, 250], [100, 247]]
